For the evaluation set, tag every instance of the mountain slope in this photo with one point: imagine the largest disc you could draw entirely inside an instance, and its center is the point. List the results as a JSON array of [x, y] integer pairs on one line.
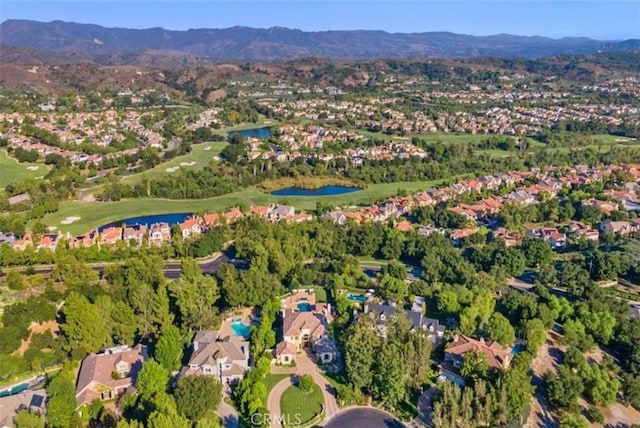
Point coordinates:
[[277, 43]]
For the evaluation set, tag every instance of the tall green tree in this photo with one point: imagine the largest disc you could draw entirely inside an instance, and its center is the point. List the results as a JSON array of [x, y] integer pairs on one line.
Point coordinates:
[[83, 324], [499, 328], [152, 379], [197, 395], [389, 376], [168, 351], [361, 347], [61, 401], [196, 295]]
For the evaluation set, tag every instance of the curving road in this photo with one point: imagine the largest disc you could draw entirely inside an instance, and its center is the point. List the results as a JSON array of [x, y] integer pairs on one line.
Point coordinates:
[[368, 417]]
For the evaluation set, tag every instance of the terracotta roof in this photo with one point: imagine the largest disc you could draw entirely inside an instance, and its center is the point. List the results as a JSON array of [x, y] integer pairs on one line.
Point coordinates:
[[285, 347], [98, 369], [497, 356], [295, 322]]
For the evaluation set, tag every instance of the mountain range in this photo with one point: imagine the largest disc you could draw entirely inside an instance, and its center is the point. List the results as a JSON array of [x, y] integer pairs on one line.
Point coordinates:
[[88, 42]]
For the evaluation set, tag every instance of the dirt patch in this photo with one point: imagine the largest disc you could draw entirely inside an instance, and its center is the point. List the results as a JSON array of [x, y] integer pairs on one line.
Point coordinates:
[[36, 328], [548, 358]]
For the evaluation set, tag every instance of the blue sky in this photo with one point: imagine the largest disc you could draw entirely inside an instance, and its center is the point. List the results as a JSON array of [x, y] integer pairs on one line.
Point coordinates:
[[597, 19]]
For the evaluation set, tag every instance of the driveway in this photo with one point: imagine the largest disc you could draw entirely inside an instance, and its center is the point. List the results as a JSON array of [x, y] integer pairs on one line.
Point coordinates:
[[228, 414], [304, 365], [273, 401]]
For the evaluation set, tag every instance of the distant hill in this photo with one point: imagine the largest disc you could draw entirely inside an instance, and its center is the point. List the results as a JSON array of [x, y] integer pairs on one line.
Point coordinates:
[[116, 45]]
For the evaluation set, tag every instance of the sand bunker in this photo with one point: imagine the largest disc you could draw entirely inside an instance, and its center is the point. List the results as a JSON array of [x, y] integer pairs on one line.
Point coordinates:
[[52, 228], [216, 158], [207, 148], [33, 168], [172, 169], [187, 163], [70, 220]]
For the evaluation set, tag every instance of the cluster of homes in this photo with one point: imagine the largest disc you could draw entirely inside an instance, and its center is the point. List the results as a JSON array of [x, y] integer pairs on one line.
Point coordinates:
[[224, 354], [543, 109], [100, 129], [528, 188], [155, 234]]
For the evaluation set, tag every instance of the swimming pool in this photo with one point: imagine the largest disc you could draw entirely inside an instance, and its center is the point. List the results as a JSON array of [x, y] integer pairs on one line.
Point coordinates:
[[14, 390], [361, 298], [518, 348], [240, 329], [304, 307]]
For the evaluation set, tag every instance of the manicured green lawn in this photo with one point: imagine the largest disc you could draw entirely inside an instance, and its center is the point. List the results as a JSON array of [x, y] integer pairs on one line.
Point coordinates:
[[94, 214], [200, 156], [13, 171], [298, 406], [272, 379]]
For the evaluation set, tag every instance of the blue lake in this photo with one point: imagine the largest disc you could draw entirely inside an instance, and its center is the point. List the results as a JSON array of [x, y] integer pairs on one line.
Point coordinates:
[[321, 191], [254, 133], [149, 220]]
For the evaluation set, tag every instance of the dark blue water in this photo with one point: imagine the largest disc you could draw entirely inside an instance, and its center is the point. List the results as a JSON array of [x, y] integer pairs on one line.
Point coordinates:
[[254, 133], [149, 220], [321, 191]]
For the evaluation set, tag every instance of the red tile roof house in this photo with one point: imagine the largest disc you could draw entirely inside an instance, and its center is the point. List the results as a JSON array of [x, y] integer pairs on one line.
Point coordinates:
[[85, 240], [110, 374], [306, 328], [159, 233], [49, 241], [190, 227], [232, 215], [111, 235], [497, 356], [135, 233], [211, 220]]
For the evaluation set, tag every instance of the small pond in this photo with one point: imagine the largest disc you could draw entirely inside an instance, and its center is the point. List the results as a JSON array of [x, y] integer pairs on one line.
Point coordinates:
[[320, 191], [149, 220]]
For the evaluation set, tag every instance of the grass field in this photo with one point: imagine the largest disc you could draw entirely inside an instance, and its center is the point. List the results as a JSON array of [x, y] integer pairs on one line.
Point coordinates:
[[297, 406], [93, 214], [200, 156], [11, 170]]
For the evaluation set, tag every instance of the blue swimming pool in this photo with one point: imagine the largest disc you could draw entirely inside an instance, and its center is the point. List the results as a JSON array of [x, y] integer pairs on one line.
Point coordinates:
[[518, 348], [304, 307], [240, 329], [360, 298], [14, 390]]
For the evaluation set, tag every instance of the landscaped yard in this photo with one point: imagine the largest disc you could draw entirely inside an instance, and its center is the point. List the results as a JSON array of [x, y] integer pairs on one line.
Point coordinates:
[[200, 156], [11, 170], [296, 406], [272, 379], [94, 214]]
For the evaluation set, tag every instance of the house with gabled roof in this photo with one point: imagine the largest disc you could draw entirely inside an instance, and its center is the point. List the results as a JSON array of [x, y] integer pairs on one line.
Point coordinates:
[[190, 228], [159, 233], [134, 233], [110, 374], [382, 313], [497, 356], [226, 359], [305, 324]]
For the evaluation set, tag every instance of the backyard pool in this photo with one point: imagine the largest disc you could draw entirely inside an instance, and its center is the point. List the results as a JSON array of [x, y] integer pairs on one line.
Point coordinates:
[[14, 390], [304, 307], [518, 348], [360, 298], [240, 329]]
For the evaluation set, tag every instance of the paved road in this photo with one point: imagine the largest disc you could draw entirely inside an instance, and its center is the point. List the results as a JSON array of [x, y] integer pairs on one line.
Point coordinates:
[[171, 270], [368, 417]]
